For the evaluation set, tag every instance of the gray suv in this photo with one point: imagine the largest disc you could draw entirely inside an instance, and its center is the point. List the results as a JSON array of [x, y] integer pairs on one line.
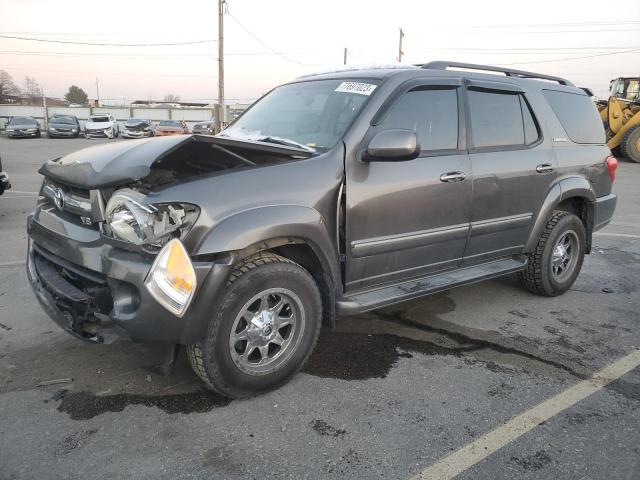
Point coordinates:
[[332, 195]]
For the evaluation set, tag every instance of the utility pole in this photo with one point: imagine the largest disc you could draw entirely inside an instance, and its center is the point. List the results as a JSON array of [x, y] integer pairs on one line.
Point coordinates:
[[44, 107], [345, 55], [97, 93], [400, 52], [221, 110]]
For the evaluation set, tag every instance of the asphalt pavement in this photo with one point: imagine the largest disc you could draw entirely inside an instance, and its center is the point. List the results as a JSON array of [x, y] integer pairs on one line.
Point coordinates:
[[486, 381]]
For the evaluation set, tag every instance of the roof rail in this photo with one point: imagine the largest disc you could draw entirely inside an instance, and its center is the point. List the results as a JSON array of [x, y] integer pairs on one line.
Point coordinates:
[[509, 72]]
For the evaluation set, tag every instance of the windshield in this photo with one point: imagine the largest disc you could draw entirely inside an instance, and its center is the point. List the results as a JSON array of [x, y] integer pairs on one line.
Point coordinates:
[[63, 120], [22, 121], [99, 119], [313, 114], [170, 123]]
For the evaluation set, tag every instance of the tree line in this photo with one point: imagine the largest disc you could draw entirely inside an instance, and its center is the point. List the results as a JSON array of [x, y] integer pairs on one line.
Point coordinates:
[[31, 89]]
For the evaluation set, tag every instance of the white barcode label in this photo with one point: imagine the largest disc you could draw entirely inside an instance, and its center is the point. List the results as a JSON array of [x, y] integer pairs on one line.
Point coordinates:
[[356, 87]]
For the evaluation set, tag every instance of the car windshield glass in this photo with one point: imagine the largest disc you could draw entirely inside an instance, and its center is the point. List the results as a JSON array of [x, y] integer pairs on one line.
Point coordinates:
[[22, 121], [313, 114], [63, 120], [136, 120], [169, 123], [99, 119]]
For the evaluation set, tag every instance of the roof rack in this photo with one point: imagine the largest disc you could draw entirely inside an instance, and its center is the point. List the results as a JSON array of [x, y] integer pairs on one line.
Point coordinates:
[[509, 72]]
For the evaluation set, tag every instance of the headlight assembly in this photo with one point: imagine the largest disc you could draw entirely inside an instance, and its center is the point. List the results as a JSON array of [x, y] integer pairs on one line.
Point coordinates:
[[130, 218]]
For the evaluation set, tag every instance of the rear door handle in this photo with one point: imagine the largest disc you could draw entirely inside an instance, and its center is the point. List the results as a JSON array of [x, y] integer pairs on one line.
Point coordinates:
[[452, 177], [544, 168]]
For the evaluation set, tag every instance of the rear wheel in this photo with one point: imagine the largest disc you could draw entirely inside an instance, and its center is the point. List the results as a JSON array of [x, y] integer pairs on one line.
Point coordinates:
[[557, 259], [630, 144], [264, 330]]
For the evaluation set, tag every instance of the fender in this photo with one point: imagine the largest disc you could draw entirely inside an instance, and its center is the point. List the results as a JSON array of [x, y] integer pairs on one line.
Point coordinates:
[[296, 223], [567, 187]]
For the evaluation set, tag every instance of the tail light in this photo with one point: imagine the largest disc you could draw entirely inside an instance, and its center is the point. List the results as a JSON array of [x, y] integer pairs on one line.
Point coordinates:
[[612, 163]]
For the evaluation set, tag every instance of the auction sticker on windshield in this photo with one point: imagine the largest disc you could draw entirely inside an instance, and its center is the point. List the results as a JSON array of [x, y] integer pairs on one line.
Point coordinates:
[[356, 87]]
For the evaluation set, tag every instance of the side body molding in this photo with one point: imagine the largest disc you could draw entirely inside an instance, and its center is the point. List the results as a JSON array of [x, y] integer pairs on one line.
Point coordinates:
[[295, 223], [565, 188]]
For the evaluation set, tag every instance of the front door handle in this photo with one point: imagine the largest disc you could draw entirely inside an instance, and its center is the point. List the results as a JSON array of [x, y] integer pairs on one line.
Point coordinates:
[[544, 168], [452, 177]]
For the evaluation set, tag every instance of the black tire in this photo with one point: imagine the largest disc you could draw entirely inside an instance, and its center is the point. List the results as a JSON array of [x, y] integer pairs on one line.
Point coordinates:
[[539, 275], [629, 146], [212, 359]]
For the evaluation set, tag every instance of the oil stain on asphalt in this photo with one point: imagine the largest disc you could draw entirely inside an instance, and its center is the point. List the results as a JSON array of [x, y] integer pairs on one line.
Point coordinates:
[[85, 405], [345, 356]]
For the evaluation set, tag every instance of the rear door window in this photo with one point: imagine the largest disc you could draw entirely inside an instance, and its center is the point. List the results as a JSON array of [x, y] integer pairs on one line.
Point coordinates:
[[431, 112], [578, 116], [501, 119]]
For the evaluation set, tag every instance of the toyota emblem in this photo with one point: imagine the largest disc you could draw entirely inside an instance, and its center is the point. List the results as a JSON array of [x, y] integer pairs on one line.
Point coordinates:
[[58, 198]]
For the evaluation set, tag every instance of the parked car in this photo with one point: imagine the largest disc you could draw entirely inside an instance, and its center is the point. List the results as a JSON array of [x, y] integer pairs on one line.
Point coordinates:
[[20, 127], [204, 128], [171, 127], [5, 184], [377, 186], [137, 128], [101, 125], [63, 126]]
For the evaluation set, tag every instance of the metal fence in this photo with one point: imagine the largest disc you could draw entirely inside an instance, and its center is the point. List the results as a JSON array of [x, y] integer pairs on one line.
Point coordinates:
[[191, 115]]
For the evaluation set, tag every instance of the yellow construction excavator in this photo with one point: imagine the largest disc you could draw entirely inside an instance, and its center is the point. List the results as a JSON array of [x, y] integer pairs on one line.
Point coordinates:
[[621, 116]]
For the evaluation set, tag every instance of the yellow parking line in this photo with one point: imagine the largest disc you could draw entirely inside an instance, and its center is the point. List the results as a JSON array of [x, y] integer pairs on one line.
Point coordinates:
[[19, 192], [626, 235], [476, 451]]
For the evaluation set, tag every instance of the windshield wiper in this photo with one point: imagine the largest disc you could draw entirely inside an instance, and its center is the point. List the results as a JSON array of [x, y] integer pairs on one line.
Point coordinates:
[[286, 142]]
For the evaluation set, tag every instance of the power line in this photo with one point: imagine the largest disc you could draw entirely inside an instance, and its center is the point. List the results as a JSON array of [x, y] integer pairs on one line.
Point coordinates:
[[634, 50], [268, 47], [102, 44], [160, 56], [519, 49], [547, 25]]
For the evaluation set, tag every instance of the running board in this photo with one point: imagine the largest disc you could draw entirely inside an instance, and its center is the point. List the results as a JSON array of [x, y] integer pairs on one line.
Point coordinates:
[[418, 287]]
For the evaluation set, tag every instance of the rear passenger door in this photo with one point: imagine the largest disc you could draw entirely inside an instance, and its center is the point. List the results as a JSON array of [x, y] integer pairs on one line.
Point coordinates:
[[513, 169]]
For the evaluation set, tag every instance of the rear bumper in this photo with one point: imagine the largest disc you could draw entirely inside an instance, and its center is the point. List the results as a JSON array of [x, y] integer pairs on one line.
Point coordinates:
[[96, 291], [604, 208]]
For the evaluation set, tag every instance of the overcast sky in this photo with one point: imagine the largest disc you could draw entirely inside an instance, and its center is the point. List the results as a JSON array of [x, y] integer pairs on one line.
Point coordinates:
[[308, 36]]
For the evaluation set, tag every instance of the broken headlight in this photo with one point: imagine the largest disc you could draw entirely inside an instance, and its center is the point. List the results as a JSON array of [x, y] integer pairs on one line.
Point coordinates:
[[129, 218]]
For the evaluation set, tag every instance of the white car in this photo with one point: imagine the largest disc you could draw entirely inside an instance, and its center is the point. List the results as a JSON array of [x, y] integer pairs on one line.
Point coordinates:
[[101, 125]]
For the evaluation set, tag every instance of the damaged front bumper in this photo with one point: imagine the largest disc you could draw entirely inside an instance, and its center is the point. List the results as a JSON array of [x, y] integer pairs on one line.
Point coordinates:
[[5, 184], [96, 291], [135, 133], [102, 133]]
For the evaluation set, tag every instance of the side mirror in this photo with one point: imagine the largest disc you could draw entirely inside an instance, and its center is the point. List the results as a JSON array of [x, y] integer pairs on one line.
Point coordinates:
[[393, 145]]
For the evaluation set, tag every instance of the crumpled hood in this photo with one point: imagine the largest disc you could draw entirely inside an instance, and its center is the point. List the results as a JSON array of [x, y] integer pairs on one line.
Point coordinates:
[[98, 125], [121, 163], [110, 164]]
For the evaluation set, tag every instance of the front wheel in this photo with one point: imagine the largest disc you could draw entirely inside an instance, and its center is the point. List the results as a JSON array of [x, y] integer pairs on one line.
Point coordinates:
[[557, 259], [264, 330]]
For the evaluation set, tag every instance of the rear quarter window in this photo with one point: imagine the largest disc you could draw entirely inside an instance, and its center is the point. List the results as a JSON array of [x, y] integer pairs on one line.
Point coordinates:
[[578, 116]]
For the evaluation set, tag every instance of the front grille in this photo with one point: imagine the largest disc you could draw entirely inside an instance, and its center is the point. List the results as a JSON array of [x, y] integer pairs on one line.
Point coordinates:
[[77, 203]]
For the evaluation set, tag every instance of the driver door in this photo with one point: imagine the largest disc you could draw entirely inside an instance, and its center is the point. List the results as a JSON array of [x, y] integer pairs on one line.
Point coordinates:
[[410, 218]]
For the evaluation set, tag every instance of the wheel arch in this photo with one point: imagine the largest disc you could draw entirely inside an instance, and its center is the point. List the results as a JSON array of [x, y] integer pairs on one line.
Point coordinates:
[[571, 194], [295, 232]]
